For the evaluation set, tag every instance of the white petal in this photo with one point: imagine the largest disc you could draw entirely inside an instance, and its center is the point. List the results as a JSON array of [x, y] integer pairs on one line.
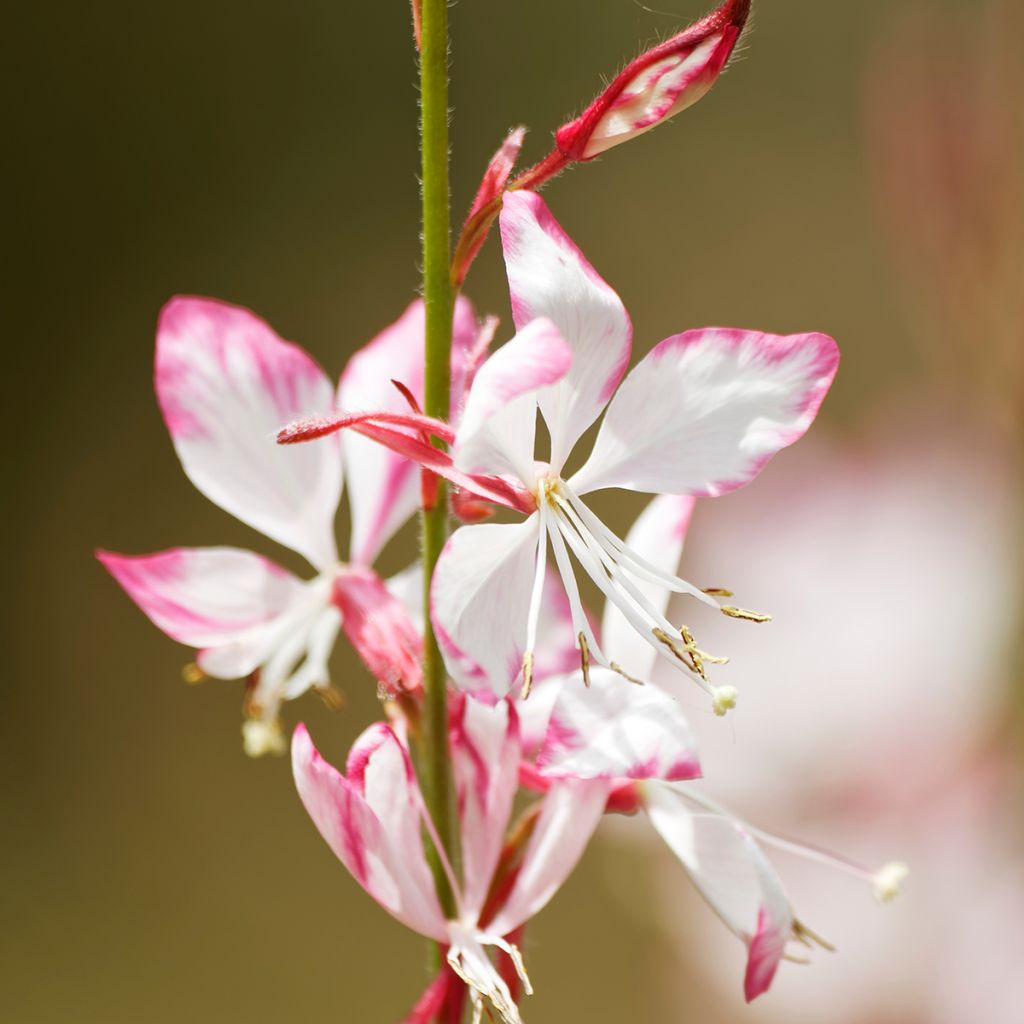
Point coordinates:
[[704, 411], [549, 277], [485, 764], [571, 811], [614, 729], [479, 601], [210, 598], [383, 854], [384, 488], [226, 383], [731, 873], [498, 425], [657, 536]]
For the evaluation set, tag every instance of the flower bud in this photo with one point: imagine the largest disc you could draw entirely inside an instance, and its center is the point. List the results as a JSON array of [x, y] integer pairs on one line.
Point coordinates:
[[657, 85]]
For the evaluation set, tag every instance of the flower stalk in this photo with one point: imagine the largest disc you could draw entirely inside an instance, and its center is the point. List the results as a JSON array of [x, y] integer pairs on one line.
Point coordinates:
[[439, 298]]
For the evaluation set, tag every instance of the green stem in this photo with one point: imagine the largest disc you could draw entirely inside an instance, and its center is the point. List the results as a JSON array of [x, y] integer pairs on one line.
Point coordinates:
[[438, 294]]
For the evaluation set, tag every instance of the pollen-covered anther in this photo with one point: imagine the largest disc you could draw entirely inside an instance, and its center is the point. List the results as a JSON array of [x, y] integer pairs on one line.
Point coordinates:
[[810, 939], [527, 674], [742, 613], [723, 699], [697, 656], [584, 658], [193, 674], [888, 880], [332, 697], [679, 652], [619, 670]]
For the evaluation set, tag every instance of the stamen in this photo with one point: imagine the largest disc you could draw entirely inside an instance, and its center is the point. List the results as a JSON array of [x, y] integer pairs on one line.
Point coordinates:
[[683, 656], [718, 592], [193, 674], [332, 697], [804, 935], [517, 961], [615, 667], [584, 658], [580, 622], [528, 670], [742, 613]]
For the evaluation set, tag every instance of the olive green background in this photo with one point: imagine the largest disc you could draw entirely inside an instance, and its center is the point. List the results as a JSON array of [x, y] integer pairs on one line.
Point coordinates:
[[266, 153]]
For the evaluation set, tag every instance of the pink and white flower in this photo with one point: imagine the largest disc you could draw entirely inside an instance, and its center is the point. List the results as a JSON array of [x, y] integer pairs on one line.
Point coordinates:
[[373, 816], [225, 382], [638, 740], [700, 415]]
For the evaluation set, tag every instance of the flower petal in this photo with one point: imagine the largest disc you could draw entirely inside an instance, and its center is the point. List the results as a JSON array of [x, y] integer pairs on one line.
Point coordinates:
[[480, 598], [379, 628], [383, 486], [571, 811], [657, 536], [731, 873], [207, 597], [226, 382], [704, 411], [485, 763], [498, 425], [371, 822], [549, 277], [617, 730]]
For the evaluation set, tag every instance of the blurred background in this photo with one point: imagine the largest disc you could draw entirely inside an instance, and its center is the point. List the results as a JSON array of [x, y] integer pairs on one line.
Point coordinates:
[[858, 172]]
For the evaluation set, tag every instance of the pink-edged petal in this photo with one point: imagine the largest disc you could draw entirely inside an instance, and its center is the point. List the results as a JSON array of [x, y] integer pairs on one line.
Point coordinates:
[[499, 422], [617, 730], [206, 597], [657, 536], [704, 411], [732, 874], [479, 601], [379, 628], [485, 764], [571, 812], [549, 277], [383, 486], [226, 382], [371, 822]]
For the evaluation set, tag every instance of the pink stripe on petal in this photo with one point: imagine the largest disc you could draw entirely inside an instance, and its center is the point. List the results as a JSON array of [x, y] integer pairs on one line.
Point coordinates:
[[764, 956]]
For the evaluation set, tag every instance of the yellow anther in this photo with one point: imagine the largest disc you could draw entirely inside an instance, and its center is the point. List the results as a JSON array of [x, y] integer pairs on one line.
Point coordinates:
[[584, 658], [332, 697], [193, 674], [625, 675], [742, 613], [717, 592], [527, 674], [804, 935]]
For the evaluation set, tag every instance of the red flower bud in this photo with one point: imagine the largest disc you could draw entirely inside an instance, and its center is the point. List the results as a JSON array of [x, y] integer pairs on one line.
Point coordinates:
[[657, 85]]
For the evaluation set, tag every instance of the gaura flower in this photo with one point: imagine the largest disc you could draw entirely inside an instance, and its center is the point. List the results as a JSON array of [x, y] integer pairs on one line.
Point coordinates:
[[373, 817], [700, 415], [657, 85], [225, 381], [637, 739]]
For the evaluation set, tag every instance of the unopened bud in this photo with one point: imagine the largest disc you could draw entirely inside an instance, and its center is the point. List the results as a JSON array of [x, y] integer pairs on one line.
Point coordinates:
[[657, 85]]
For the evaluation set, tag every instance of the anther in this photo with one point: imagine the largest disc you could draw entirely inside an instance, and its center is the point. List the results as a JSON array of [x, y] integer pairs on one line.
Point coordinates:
[[804, 935], [718, 592], [527, 674], [619, 670], [742, 613], [193, 674], [584, 658], [332, 697]]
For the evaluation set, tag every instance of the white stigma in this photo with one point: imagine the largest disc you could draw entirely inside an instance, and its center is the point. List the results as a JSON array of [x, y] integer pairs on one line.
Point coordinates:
[[888, 880], [723, 699], [261, 737]]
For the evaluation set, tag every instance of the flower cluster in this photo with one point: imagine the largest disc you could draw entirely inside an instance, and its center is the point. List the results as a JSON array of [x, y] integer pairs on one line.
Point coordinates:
[[544, 700]]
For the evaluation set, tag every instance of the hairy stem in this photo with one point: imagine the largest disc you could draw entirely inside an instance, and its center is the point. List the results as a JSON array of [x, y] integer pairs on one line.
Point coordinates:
[[438, 294]]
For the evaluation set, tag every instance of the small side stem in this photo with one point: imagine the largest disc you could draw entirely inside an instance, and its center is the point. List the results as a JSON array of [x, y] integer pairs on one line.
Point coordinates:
[[439, 297]]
